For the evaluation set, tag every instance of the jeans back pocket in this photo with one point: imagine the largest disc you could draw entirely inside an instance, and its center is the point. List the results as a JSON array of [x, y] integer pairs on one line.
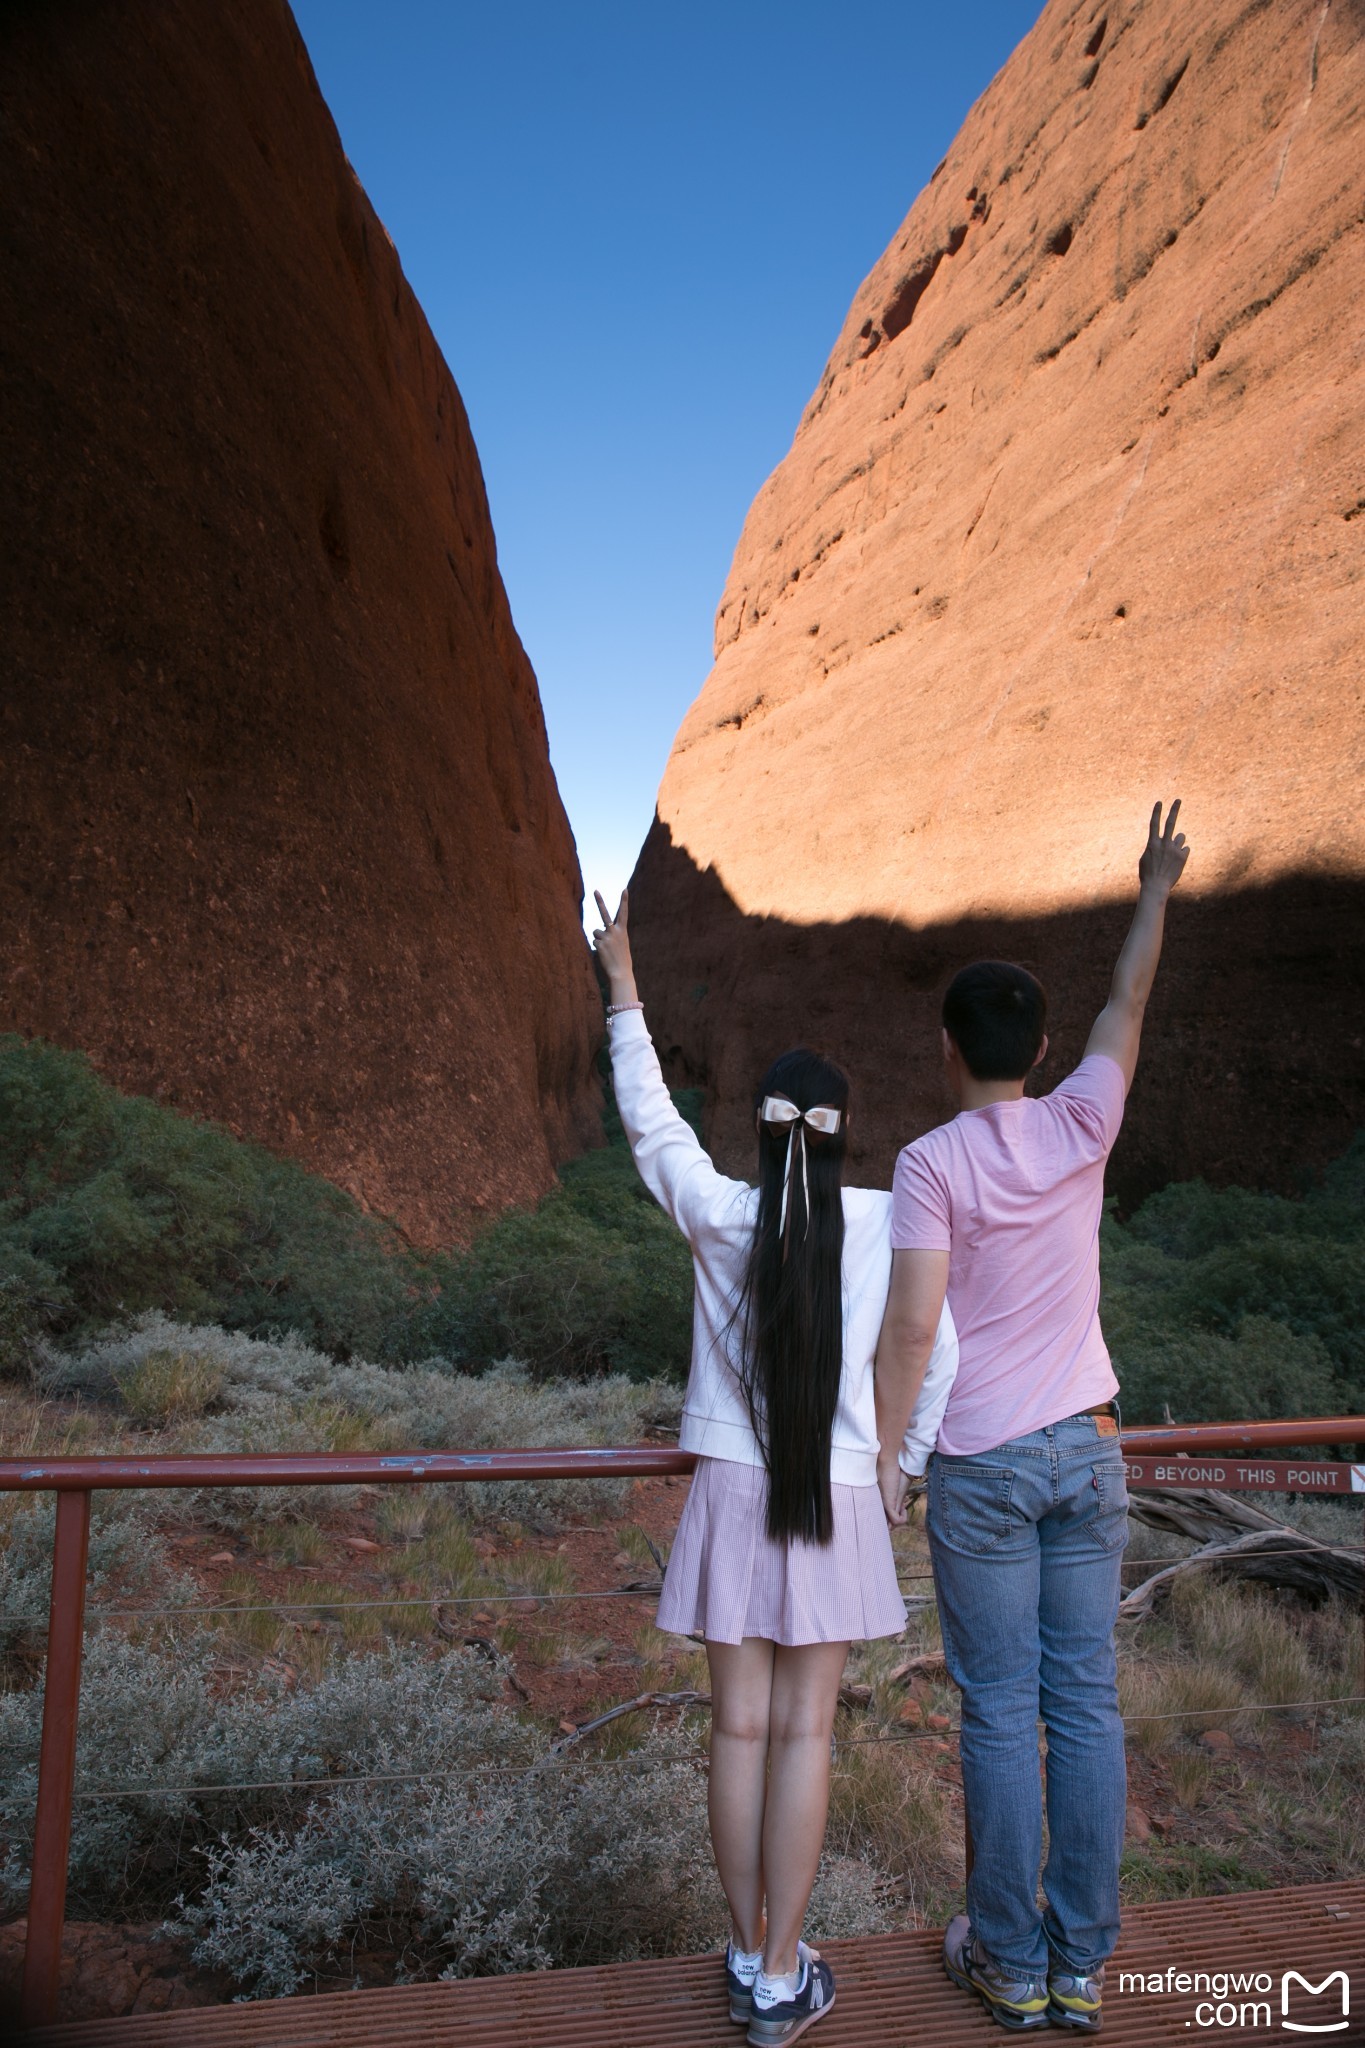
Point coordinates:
[[972, 1504], [1108, 1521]]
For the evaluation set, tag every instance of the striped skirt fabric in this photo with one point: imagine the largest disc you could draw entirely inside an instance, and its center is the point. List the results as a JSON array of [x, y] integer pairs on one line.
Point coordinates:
[[727, 1579]]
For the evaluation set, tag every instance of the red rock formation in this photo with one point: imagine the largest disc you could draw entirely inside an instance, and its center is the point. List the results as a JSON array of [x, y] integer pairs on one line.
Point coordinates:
[[1072, 522], [108, 1972], [281, 839]]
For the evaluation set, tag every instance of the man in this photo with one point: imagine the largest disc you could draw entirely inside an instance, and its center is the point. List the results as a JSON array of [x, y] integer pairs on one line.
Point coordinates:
[[1027, 1505]]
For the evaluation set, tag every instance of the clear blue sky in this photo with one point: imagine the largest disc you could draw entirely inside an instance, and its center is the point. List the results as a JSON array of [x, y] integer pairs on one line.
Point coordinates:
[[635, 230]]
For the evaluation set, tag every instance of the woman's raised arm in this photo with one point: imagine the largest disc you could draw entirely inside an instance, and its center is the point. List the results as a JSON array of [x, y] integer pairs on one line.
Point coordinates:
[[670, 1157], [613, 950]]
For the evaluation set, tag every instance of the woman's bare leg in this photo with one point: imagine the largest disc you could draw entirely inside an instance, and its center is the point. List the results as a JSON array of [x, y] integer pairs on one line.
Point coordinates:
[[805, 1694], [741, 1689]]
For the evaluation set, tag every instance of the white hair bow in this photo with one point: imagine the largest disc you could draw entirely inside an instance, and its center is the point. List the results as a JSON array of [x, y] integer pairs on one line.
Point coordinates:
[[781, 1111]]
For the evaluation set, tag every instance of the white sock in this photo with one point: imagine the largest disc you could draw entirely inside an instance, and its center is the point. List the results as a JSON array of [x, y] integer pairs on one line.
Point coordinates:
[[776, 1990], [746, 1963]]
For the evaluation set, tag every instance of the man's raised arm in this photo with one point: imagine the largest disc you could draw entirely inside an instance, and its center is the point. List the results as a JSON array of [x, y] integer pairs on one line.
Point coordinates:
[[1117, 1030]]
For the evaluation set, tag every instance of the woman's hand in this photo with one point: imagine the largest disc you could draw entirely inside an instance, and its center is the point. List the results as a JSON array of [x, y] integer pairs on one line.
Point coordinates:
[[893, 1484], [612, 944]]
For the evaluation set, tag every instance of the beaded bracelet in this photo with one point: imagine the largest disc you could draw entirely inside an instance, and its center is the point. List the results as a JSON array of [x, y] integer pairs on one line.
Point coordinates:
[[615, 1009]]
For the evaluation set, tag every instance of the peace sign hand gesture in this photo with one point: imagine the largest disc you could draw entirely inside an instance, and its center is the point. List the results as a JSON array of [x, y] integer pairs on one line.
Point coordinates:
[[1163, 860], [612, 944]]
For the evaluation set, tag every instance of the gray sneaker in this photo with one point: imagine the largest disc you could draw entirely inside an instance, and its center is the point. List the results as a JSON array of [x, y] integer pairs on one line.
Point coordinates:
[[771, 2026], [1018, 2002], [739, 1985], [1075, 2001]]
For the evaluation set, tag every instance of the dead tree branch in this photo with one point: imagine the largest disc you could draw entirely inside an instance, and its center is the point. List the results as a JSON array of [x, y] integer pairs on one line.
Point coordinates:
[[575, 1731], [1240, 1541]]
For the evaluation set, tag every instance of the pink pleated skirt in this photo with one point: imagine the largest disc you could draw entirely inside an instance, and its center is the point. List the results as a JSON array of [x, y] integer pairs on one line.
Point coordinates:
[[727, 1579]]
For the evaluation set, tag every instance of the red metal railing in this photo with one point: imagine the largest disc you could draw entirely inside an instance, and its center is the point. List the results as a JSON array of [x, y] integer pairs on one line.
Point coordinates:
[[73, 1480]]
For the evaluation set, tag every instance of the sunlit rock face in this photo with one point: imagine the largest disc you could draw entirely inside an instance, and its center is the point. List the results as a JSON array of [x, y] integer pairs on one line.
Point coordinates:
[[1075, 519], [281, 839]]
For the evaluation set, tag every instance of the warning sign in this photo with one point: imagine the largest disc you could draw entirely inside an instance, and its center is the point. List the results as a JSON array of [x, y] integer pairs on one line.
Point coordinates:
[[1248, 1475]]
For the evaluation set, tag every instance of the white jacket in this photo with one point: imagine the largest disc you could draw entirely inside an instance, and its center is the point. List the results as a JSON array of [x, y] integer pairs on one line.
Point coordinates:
[[716, 1216]]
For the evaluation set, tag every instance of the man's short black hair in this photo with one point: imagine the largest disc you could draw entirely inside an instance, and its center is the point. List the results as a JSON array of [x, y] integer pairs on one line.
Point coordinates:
[[995, 1014]]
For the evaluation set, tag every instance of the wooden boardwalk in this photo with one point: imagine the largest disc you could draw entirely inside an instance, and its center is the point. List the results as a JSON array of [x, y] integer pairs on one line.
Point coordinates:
[[891, 1993]]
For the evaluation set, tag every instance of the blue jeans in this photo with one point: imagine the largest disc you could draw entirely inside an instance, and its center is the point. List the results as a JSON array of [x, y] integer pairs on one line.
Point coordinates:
[[1026, 1542]]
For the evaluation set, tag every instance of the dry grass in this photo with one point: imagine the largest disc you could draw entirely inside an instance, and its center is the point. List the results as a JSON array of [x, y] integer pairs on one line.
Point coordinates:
[[638, 1547], [888, 1807], [442, 1562], [1220, 1648], [403, 1512], [1163, 1701], [169, 1385], [529, 1574], [290, 1543], [256, 1627], [1189, 1773], [546, 1649]]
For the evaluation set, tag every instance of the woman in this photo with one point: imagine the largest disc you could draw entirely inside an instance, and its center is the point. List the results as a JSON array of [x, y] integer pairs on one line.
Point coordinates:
[[783, 1554]]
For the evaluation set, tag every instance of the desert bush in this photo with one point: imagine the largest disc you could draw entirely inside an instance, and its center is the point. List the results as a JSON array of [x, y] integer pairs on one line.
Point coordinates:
[[571, 1291], [595, 1280], [112, 1205], [154, 1711], [31, 1298], [576, 1860], [451, 1880], [1215, 1300], [119, 1204], [496, 1853], [1221, 1302], [167, 1385], [128, 1561], [283, 1394]]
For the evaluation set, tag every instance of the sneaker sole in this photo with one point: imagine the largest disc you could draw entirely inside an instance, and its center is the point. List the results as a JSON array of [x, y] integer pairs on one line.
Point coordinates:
[[779, 2040], [1018, 2024], [1058, 2016], [741, 2014]]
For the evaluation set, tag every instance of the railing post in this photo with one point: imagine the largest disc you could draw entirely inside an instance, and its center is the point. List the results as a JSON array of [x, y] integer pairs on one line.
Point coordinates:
[[56, 1762]]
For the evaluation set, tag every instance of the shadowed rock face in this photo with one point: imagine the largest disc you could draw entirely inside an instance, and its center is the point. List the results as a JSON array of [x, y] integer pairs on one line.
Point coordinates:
[[1251, 1066], [281, 839], [1075, 519]]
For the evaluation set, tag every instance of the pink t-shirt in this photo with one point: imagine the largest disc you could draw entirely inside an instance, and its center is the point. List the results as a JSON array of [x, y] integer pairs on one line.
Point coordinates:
[[1013, 1193]]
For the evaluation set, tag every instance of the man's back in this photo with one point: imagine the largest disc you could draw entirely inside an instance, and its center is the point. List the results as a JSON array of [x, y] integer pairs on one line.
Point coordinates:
[[1013, 1192], [1027, 1512]]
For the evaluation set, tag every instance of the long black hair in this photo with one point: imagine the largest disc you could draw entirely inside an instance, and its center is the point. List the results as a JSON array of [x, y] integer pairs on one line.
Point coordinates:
[[790, 1312]]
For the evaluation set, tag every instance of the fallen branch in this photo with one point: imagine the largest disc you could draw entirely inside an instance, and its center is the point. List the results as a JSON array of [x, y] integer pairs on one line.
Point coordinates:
[[574, 1731], [1279, 1556], [932, 1664], [1200, 1513]]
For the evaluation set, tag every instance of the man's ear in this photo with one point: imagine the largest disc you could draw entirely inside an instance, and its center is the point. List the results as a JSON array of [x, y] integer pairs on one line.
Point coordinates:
[[1042, 1052], [948, 1047]]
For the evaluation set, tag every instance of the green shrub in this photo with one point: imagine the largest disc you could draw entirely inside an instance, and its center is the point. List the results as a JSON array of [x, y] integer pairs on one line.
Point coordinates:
[[1221, 1302], [166, 1385], [31, 1297], [501, 1855], [282, 1395], [112, 1205], [1216, 1302], [595, 1280]]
